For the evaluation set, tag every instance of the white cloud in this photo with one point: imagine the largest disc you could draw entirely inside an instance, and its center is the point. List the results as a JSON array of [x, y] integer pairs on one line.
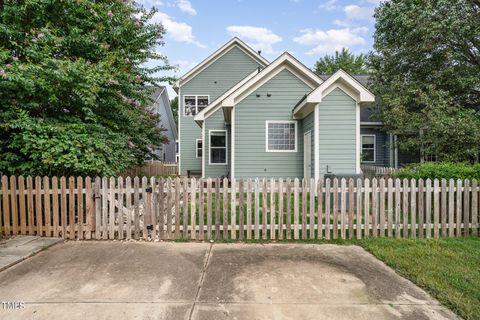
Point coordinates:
[[259, 38], [327, 42], [178, 31], [329, 5], [354, 12], [186, 7]]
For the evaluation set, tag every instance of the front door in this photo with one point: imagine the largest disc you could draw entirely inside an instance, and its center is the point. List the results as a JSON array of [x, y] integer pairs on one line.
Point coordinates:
[[307, 155]]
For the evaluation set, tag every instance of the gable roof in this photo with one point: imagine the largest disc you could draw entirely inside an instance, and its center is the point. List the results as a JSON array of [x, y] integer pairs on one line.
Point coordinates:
[[339, 79], [162, 93], [362, 78], [235, 42], [256, 79]]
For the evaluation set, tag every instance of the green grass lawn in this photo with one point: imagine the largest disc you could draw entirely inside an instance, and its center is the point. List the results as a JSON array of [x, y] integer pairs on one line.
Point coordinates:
[[449, 269]]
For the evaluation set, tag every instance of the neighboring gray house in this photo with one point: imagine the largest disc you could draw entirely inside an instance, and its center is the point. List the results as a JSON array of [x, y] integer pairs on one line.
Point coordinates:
[[243, 117], [161, 105]]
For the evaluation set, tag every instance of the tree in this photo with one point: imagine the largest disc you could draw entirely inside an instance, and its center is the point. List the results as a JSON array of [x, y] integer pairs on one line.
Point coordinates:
[[174, 107], [72, 86], [426, 70], [353, 64]]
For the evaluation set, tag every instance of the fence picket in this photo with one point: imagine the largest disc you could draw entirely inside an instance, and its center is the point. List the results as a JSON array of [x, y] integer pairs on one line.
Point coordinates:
[[335, 208], [264, 209], [359, 208], [201, 210], [98, 207], [193, 210], [312, 209], [38, 207], [249, 209], [459, 208], [128, 205], [241, 208], [209, 210], [320, 209], [327, 208], [296, 213], [273, 212], [111, 210], [71, 208], [280, 209], [374, 207], [225, 208], [405, 207], [428, 209], [21, 203], [466, 208], [136, 208], [421, 204], [233, 210], [177, 208], [366, 224], [443, 209], [121, 222], [343, 209], [257, 208], [304, 209], [6, 206], [413, 209], [90, 214], [474, 208], [79, 205], [217, 208], [169, 208], [389, 207], [398, 202], [351, 207], [289, 209], [436, 209], [185, 209], [381, 207], [13, 206]]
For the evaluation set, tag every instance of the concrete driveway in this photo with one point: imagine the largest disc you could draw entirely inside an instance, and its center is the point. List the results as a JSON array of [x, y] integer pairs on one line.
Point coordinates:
[[135, 280]]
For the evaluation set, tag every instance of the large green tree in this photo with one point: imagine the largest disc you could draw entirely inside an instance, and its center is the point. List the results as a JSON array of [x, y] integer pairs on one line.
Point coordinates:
[[73, 92], [349, 62], [426, 69]]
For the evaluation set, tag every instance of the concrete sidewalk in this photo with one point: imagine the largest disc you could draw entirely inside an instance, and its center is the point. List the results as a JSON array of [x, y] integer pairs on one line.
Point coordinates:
[[135, 280], [18, 248]]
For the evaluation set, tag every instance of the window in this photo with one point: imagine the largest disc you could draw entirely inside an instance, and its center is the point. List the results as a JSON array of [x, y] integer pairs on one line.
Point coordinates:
[[199, 148], [281, 136], [194, 104], [218, 147], [368, 148]]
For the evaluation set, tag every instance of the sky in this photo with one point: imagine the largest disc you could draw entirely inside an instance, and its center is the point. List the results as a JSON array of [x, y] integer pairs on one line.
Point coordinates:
[[308, 29]]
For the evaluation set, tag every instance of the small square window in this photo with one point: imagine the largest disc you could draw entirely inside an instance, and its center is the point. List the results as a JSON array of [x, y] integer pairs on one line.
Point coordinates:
[[281, 136]]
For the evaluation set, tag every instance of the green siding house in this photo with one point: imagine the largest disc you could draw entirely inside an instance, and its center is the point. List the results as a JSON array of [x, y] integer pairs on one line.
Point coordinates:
[[243, 117]]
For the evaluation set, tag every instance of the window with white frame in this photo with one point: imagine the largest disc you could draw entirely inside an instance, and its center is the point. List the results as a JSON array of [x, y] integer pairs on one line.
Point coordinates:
[[199, 143], [218, 147], [368, 148], [194, 104], [281, 136]]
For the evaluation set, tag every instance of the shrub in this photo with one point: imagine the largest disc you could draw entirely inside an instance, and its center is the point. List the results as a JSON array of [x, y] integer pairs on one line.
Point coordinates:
[[446, 170]]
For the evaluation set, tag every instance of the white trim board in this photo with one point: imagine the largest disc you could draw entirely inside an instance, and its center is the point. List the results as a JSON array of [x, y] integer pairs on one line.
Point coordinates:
[[285, 61], [210, 146], [267, 122], [374, 146]]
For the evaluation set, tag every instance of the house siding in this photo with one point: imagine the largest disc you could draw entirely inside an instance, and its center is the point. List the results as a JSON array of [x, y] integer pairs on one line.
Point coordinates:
[[337, 134], [216, 122], [308, 125], [382, 146], [167, 122], [251, 114], [214, 80]]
